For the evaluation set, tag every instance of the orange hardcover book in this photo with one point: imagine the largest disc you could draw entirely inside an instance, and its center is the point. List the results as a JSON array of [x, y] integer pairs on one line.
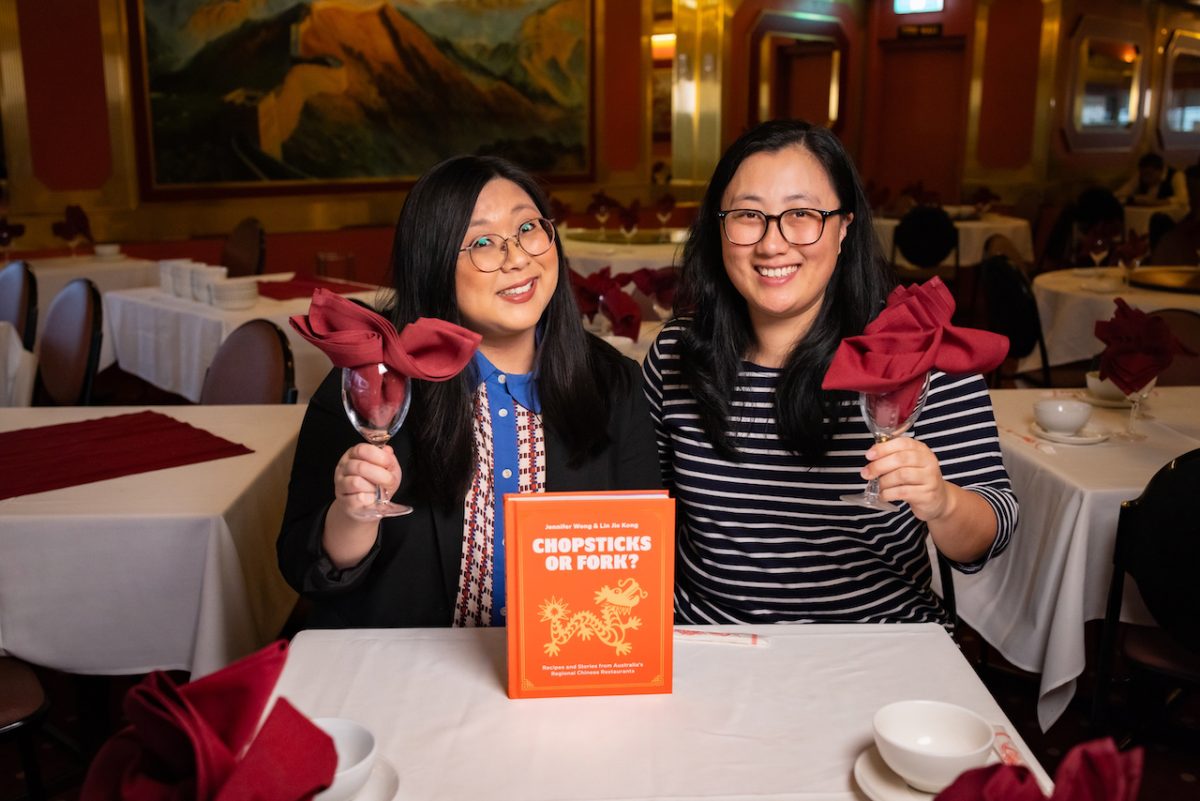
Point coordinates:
[[590, 582]]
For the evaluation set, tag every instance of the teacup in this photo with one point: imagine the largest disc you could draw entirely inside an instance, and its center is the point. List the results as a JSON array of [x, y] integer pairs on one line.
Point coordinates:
[[356, 751], [929, 743], [1061, 416]]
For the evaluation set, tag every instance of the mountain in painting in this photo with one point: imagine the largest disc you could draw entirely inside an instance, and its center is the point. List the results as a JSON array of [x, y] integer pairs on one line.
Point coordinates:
[[346, 89]]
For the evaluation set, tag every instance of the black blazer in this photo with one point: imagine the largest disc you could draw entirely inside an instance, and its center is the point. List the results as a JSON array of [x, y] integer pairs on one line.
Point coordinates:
[[410, 576]]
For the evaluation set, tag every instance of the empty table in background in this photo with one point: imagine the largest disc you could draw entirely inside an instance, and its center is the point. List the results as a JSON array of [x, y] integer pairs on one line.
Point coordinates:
[[18, 368], [1137, 218], [972, 236]]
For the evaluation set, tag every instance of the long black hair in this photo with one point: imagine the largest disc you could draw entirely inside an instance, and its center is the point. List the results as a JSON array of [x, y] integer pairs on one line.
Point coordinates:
[[713, 345], [575, 372]]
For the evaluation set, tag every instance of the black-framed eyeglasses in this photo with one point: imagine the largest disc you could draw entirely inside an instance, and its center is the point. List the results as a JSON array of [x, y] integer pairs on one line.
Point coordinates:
[[797, 226], [488, 252]]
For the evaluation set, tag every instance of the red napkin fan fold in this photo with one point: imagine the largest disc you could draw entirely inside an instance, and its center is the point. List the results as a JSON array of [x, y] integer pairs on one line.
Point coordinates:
[[355, 336], [198, 741], [1092, 771], [910, 337], [1137, 347]]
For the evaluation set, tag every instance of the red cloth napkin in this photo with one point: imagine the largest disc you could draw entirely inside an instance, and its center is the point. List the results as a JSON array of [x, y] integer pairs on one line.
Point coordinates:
[[302, 286], [910, 337], [1137, 347], [623, 312], [198, 741], [601, 292], [354, 336], [52, 457], [655, 283], [1093, 771]]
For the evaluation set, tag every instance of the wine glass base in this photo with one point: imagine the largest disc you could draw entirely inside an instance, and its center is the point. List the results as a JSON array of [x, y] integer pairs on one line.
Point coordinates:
[[382, 509], [870, 501], [1129, 436]]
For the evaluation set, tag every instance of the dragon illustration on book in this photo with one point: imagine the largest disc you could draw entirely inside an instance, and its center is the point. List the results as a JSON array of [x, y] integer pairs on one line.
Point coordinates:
[[609, 626]]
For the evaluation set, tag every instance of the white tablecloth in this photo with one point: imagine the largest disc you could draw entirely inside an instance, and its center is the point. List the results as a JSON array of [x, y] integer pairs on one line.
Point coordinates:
[[171, 569], [170, 341], [588, 257], [18, 368], [1137, 218], [785, 721], [108, 274], [1031, 603], [972, 236], [1069, 310]]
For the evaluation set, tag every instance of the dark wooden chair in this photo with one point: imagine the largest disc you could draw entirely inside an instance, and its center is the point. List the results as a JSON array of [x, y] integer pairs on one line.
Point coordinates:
[[23, 707], [1185, 325], [19, 301], [69, 351], [253, 365], [1011, 309], [245, 250], [1158, 546]]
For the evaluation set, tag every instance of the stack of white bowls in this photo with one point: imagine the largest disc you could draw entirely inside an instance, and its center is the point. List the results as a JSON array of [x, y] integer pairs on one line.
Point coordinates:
[[233, 293], [203, 275]]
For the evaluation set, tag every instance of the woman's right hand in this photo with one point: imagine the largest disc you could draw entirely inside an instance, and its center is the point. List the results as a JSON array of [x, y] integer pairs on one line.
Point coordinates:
[[348, 535]]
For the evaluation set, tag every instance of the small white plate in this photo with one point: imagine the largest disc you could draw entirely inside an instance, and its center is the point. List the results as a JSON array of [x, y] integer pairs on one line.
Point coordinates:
[[880, 783], [1105, 403], [382, 785], [1086, 436]]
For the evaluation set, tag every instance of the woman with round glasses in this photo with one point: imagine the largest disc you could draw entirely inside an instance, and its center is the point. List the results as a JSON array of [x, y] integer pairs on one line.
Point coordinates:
[[782, 264], [544, 406]]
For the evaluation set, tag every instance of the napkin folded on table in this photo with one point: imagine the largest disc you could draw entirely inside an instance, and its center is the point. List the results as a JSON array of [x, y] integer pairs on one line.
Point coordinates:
[[201, 741], [1137, 347], [910, 337], [1093, 771]]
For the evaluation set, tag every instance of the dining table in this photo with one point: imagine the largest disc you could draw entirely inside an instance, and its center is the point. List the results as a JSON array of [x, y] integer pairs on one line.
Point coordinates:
[[170, 341], [589, 253], [1031, 603], [763, 712], [974, 231], [108, 273], [1071, 301], [1137, 216], [170, 569], [18, 368]]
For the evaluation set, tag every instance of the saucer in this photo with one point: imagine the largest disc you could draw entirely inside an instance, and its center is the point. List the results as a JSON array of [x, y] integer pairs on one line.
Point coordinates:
[[382, 785], [880, 783], [1086, 436], [1105, 403]]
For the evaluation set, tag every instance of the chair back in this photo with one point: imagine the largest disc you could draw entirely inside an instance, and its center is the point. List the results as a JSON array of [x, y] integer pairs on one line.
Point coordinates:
[[19, 301], [69, 352], [253, 365], [926, 236], [1011, 309], [1185, 325], [245, 250]]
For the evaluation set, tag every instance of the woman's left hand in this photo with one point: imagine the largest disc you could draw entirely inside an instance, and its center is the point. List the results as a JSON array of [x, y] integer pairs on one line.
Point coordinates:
[[908, 471]]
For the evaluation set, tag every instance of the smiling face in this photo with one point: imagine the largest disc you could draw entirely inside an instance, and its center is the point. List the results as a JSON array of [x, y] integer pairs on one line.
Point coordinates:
[[783, 284], [504, 306]]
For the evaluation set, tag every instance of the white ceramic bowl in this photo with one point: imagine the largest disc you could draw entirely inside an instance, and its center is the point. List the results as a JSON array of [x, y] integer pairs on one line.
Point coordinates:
[[233, 294], [929, 743], [1105, 390], [107, 250], [1061, 416], [356, 752], [181, 277]]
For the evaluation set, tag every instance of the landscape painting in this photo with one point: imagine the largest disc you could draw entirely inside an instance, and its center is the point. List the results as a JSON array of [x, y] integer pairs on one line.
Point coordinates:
[[275, 95]]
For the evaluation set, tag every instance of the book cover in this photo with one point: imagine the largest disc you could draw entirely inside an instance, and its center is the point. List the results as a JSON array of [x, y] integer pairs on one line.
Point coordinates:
[[590, 592]]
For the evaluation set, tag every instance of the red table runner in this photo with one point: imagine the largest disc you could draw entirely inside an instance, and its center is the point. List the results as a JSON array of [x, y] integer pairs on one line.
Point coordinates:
[[302, 286], [65, 455]]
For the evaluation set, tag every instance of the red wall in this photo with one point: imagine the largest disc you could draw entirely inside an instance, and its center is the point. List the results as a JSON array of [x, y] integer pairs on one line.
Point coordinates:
[[1010, 68]]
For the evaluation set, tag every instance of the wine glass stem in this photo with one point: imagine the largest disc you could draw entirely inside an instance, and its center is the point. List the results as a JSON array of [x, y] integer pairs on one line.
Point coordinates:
[[1133, 413], [872, 490]]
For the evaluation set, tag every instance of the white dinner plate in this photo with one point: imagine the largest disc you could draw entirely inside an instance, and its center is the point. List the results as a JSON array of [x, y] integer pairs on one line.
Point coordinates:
[[1085, 436], [1106, 403], [382, 785], [880, 783]]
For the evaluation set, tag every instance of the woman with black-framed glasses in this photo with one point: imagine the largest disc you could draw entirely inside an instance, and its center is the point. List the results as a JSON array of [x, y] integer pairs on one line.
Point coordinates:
[[544, 406], [781, 265]]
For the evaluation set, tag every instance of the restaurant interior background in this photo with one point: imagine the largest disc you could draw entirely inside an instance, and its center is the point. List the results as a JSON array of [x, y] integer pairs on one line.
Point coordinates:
[[1032, 99]]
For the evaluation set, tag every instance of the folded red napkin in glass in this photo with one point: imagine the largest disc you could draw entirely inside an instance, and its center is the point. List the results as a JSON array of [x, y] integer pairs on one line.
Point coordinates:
[[601, 292], [1137, 347], [302, 286], [1092, 771], [202, 741], [658, 283], [910, 337], [56, 456], [354, 336]]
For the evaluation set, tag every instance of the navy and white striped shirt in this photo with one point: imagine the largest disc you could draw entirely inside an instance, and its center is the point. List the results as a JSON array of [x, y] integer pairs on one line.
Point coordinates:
[[768, 540]]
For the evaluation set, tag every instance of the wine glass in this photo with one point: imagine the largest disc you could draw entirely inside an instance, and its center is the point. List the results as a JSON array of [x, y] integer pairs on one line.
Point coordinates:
[[1136, 398], [376, 399], [1098, 251], [629, 233], [887, 418], [664, 217], [602, 218]]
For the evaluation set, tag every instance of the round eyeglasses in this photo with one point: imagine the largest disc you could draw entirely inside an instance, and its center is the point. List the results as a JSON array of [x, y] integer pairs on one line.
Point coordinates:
[[489, 252], [798, 226]]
